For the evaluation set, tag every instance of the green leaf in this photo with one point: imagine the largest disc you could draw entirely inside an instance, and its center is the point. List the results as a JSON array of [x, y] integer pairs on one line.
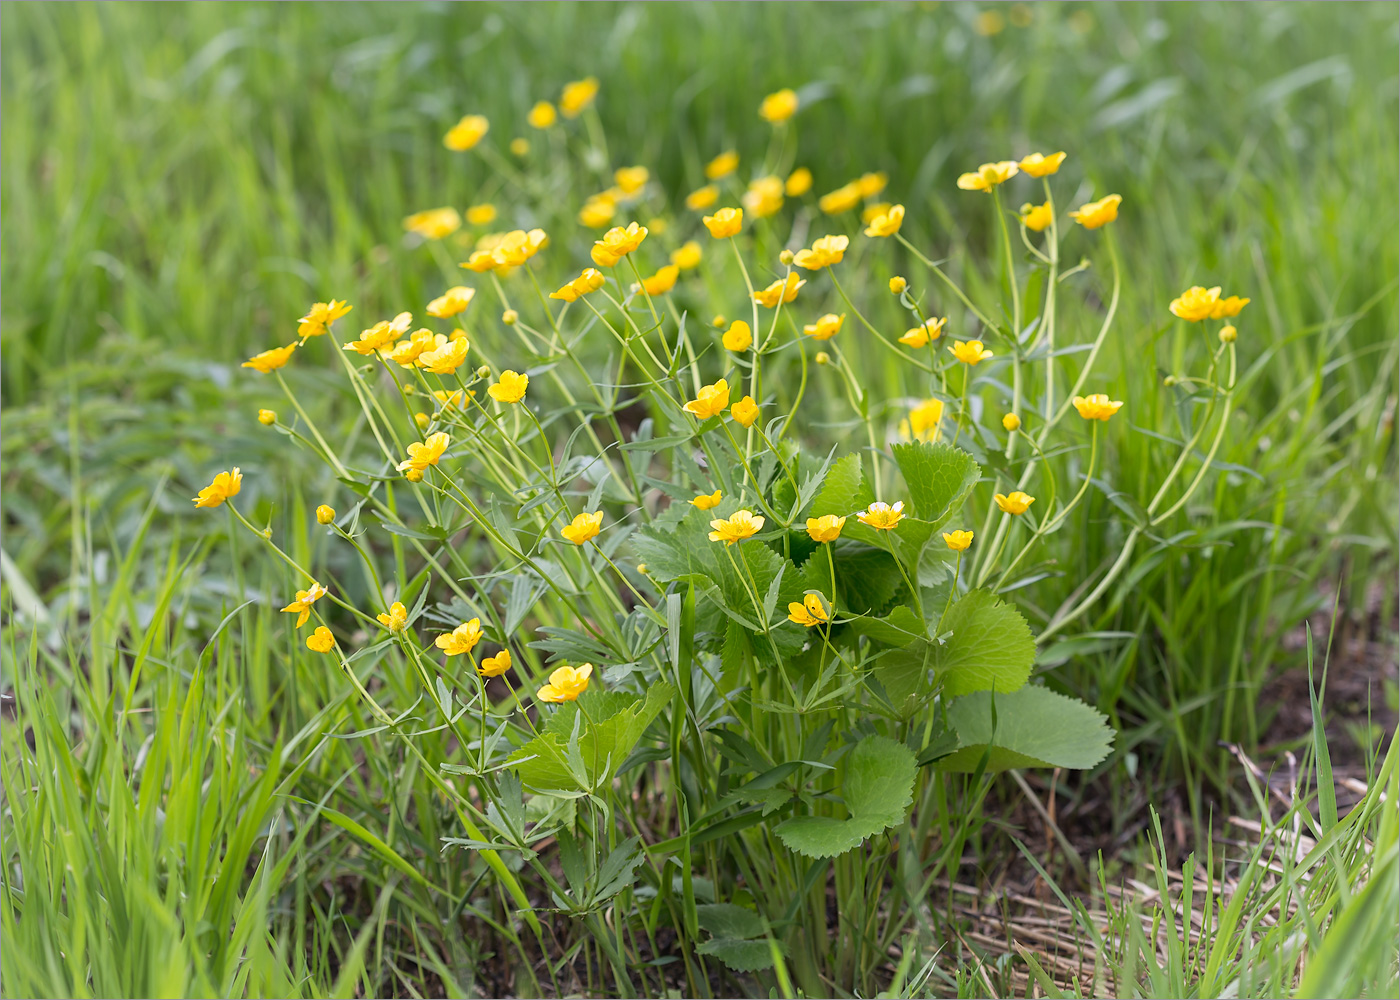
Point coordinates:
[[741, 956], [990, 648], [939, 478], [840, 490], [1035, 727], [903, 673], [899, 628], [878, 787], [544, 762], [725, 920]]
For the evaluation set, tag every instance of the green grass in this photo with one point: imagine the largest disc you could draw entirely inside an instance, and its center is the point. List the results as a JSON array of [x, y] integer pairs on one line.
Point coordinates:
[[179, 187]]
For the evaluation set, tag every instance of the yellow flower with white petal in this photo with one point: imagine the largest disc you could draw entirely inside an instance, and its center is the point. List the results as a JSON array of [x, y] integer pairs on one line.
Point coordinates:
[[882, 516]]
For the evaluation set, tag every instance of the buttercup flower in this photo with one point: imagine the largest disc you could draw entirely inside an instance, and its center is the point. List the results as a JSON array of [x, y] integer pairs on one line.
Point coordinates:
[[764, 197], [843, 199], [919, 336], [812, 611], [267, 417], [518, 246], [480, 261], [320, 316], [707, 500], [589, 281], [1011, 422], [618, 243], [325, 514], [494, 666], [687, 256], [970, 352], [738, 526], [702, 198], [1097, 213], [826, 251], [301, 607], [462, 639], [871, 184], [724, 223], [873, 211], [738, 338], [989, 175], [744, 412], [1228, 307], [778, 107], [1228, 334], [1096, 407], [798, 183], [320, 641], [425, 453], [886, 223], [711, 401], [566, 684], [577, 96], [407, 352], [225, 485], [511, 388], [1016, 503], [722, 165], [446, 359], [957, 540], [881, 515], [898, 284], [451, 302], [270, 359], [779, 291], [520, 145], [466, 133], [397, 618], [1037, 218], [1196, 303], [924, 420], [1039, 165], [451, 399], [381, 335], [662, 281], [434, 224], [631, 179], [597, 211], [583, 527], [542, 115], [826, 528], [481, 215], [826, 327]]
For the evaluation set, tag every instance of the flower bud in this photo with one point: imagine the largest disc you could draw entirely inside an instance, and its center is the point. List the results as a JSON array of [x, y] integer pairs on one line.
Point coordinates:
[[1169, 381], [823, 358], [414, 475], [422, 419], [484, 371], [267, 417], [786, 256], [642, 568], [1228, 334], [719, 322], [325, 514], [898, 284], [520, 146], [510, 317], [1011, 422], [267, 532]]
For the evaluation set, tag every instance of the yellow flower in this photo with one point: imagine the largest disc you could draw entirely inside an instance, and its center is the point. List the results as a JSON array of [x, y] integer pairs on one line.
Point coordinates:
[[320, 316], [511, 387], [407, 352], [542, 115], [919, 336], [779, 291], [1038, 165], [577, 96], [726, 222], [434, 224], [320, 641], [873, 211], [826, 251], [425, 453], [1037, 218], [969, 352], [224, 486], [481, 215], [520, 145], [1097, 213], [583, 527], [422, 420], [466, 133], [518, 246], [989, 23], [886, 223], [738, 338], [662, 281], [1228, 334], [989, 175], [414, 475], [450, 399], [778, 107], [1016, 503], [764, 197], [267, 417], [799, 182], [812, 611], [898, 284], [957, 540], [631, 179], [270, 359], [738, 526], [301, 607], [722, 165], [924, 419], [494, 666], [687, 255], [1096, 407], [566, 684], [397, 618], [871, 184], [480, 261], [707, 500], [1011, 422], [1196, 303], [446, 359], [451, 302], [381, 335], [597, 211], [710, 401], [826, 528], [744, 412], [843, 199], [702, 198], [325, 514], [881, 515], [617, 243], [1228, 307], [589, 281], [462, 639], [826, 327]]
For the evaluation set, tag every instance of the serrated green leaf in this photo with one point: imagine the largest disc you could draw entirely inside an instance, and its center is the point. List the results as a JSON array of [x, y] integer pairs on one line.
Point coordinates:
[[1035, 727], [551, 761], [741, 956], [939, 478], [725, 920], [877, 789], [841, 488], [990, 647]]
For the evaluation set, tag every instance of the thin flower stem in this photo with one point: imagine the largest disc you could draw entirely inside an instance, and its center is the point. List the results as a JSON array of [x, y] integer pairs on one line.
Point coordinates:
[[922, 366], [948, 281]]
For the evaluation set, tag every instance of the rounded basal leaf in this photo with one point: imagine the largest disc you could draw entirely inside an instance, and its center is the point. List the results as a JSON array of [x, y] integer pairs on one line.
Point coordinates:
[[990, 648], [877, 789], [1034, 727], [741, 956], [939, 478]]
